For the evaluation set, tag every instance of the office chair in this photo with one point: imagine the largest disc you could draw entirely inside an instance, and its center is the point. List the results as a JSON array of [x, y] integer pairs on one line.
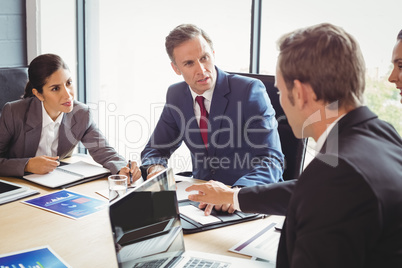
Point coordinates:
[[293, 149], [12, 84]]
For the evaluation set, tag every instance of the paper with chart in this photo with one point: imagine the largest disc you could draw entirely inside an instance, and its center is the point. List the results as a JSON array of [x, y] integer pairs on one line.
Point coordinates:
[[69, 204], [263, 244], [35, 257]]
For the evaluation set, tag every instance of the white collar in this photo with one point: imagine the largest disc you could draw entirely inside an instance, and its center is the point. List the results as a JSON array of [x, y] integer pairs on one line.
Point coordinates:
[[321, 140], [47, 120], [207, 94]]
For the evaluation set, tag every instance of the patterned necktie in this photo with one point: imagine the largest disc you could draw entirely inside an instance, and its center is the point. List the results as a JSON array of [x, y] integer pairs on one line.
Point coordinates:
[[203, 119]]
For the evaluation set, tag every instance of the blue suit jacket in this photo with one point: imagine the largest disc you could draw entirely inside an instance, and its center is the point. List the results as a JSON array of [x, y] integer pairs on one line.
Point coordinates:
[[244, 147]]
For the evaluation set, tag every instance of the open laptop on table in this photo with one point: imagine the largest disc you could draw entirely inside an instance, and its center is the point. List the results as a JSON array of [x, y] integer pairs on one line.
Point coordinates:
[[148, 233]]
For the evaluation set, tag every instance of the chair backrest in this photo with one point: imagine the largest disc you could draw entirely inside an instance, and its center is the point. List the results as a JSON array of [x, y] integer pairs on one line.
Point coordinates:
[[12, 84], [294, 149]]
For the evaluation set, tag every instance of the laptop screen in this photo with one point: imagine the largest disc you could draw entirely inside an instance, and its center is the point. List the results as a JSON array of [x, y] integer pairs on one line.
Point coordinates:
[[146, 223]]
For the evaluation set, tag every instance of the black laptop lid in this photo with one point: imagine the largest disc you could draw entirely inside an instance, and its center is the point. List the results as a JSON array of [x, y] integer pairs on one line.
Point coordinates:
[[146, 223]]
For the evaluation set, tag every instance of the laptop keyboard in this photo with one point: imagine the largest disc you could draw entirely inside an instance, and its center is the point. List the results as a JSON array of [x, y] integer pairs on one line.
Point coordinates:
[[192, 263], [151, 264], [202, 263]]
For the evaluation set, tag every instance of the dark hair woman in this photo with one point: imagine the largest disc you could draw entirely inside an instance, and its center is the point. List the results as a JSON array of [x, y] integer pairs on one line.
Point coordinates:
[[396, 74], [47, 124]]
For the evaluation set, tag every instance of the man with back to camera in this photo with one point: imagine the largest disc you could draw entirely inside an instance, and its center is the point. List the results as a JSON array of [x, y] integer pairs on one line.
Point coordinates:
[[226, 121], [345, 210]]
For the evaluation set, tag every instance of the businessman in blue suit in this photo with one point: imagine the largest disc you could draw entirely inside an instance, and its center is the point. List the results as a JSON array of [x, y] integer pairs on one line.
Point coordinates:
[[232, 134]]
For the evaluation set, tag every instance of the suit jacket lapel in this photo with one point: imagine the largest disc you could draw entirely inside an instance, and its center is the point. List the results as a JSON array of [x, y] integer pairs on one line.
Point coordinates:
[[33, 129], [352, 118], [218, 107]]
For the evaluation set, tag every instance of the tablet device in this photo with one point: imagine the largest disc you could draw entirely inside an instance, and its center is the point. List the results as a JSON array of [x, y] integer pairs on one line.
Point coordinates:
[[9, 188]]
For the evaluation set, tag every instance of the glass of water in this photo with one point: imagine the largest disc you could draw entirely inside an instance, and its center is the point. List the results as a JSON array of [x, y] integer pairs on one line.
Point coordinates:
[[117, 186]]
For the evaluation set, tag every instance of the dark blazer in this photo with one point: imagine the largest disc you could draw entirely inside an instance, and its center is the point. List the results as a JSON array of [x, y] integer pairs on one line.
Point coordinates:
[[346, 208], [21, 127], [234, 156]]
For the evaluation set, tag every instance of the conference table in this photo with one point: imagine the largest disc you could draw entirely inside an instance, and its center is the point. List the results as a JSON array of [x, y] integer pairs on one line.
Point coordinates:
[[88, 242]]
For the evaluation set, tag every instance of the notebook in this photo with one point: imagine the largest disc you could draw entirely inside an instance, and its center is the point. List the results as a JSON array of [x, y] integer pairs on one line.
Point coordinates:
[[147, 230], [193, 219], [68, 175]]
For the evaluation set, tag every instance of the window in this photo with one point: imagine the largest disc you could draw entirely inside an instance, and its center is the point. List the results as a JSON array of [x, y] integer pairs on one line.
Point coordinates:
[[371, 23], [128, 70], [51, 28]]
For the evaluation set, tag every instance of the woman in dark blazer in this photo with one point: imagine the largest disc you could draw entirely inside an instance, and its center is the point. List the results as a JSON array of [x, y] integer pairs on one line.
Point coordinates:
[[47, 124]]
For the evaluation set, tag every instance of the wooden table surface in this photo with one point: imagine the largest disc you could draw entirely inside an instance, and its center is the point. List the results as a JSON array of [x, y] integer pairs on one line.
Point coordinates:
[[88, 242]]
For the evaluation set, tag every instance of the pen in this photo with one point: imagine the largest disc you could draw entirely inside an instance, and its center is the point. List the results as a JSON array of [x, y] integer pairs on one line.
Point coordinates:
[[131, 176]]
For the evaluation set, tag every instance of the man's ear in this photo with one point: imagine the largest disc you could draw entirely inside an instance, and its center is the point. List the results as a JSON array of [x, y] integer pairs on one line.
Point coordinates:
[[298, 94], [177, 71], [303, 94], [37, 94]]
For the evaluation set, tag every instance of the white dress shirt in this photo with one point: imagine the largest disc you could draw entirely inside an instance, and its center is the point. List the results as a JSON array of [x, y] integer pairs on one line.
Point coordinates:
[[321, 140], [207, 102], [49, 137]]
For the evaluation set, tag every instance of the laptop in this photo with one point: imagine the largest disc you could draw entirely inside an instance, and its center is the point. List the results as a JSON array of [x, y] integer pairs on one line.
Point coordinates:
[[147, 230]]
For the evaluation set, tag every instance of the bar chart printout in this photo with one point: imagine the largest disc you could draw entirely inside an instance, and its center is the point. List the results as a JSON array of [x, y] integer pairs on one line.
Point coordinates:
[[43, 257]]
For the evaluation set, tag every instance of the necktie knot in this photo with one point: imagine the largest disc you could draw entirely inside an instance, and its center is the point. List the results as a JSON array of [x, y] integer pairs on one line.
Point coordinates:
[[200, 101]]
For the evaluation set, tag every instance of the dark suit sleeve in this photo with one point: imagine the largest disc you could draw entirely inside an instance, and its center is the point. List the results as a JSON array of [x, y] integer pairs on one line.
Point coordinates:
[[270, 199], [261, 137], [165, 139], [333, 219]]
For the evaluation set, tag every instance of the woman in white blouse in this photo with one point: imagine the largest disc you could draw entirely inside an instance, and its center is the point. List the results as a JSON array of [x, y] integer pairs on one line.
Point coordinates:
[[47, 124]]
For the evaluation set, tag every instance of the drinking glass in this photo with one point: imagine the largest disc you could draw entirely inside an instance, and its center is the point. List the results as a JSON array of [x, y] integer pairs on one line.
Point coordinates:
[[117, 186]]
